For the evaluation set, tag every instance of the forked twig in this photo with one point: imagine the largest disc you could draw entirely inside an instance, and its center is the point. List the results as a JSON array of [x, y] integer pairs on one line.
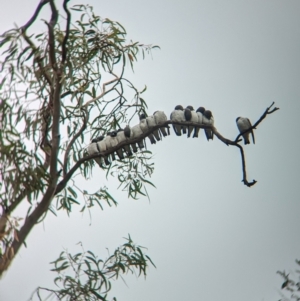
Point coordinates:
[[263, 116]]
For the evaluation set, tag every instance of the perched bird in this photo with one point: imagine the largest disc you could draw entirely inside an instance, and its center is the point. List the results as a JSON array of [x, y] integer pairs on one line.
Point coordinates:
[[101, 145], [108, 140], [160, 118], [194, 118], [200, 112], [188, 117], [92, 149], [178, 115], [208, 119], [187, 114], [114, 142], [145, 128], [129, 135], [243, 125], [136, 132], [151, 123], [121, 137]]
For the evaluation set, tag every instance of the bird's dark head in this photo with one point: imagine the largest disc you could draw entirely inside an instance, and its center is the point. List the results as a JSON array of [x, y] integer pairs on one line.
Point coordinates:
[[190, 107], [127, 131], [97, 139], [208, 114], [187, 114], [201, 110], [113, 133], [142, 116], [179, 107]]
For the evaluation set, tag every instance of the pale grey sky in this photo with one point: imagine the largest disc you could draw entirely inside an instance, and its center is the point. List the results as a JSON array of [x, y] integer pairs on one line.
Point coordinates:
[[211, 237]]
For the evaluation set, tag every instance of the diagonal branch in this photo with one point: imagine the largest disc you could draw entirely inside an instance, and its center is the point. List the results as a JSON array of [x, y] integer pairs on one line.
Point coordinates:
[[61, 185], [36, 13]]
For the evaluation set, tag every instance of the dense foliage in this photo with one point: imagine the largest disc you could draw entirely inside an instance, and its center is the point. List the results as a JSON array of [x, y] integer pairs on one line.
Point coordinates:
[[59, 89]]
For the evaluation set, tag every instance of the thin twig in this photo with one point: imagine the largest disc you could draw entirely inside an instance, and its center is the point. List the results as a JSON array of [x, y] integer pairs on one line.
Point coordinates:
[[116, 79], [83, 127], [264, 115]]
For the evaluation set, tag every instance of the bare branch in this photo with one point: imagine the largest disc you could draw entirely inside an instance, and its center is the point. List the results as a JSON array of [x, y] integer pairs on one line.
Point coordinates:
[[64, 44], [36, 13], [263, 116], [228, 142], [249, 184]]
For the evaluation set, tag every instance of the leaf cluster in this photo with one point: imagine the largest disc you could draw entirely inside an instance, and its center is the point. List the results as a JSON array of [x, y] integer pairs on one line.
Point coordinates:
[[84, 276], [93, 101], [291, 284], [60, 88]]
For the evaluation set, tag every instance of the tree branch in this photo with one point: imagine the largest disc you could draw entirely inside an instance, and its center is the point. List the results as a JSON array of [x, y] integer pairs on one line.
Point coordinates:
[[67, 175], [65, 41], [45, 144], [61, 185], [249, 184], [51, 41], [263, 116], [36, 13], [30, 222]]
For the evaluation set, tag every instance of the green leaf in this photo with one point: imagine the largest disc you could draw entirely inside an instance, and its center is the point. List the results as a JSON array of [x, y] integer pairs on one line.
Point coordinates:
[[72, 192]]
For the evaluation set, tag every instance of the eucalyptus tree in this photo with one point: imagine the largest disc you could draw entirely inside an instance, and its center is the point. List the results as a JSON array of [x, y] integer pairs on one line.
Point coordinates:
[[61, 88]]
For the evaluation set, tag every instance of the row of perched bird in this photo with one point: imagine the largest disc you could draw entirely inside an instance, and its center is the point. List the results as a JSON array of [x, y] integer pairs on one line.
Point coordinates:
[[113, 138], [201, 116], [179, 114]]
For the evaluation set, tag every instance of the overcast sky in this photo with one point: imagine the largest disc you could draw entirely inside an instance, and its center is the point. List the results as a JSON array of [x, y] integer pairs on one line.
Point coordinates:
[[211, 237]]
